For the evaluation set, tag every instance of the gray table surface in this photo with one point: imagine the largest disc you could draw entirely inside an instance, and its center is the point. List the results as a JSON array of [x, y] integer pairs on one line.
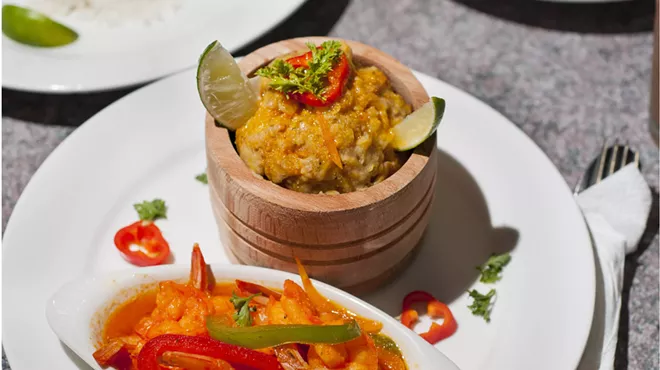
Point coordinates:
[[569, 76]]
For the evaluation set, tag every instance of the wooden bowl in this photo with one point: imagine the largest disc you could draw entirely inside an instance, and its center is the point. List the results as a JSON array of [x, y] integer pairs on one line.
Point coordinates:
[[355, 241]]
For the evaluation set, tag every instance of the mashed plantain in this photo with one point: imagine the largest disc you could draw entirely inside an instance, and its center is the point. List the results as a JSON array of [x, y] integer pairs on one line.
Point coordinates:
[[284, 140]]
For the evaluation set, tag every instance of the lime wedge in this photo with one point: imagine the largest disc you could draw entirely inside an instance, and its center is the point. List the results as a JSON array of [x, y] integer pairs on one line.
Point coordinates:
[[225, 91], [419, 125], [33, 28]]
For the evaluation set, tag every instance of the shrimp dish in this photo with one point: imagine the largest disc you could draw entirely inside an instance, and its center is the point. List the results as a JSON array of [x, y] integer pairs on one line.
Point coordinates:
[[204, 324]]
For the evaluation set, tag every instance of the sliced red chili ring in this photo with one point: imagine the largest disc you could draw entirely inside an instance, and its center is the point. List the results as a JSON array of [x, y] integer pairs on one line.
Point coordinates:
[[435, 309], [141, 243]]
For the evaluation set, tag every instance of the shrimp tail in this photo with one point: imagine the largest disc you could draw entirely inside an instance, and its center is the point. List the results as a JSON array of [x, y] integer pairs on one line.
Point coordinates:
[[198, 271]]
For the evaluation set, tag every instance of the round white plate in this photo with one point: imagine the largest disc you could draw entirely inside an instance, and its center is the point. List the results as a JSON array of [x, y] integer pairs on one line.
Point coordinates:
[[108, 56], [497, 191]]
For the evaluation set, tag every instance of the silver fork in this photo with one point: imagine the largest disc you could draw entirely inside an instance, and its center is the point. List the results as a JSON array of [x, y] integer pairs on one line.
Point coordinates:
[[610, 160]]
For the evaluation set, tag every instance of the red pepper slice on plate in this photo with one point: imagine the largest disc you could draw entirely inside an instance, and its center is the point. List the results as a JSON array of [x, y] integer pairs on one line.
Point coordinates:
[[152, 248], [151, 355], [435, 309], [337, 78]]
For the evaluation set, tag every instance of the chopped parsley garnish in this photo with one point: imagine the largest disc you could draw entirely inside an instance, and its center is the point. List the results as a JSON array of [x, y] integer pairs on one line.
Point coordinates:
[[151, 210], [202, 178], [491, 270], [481, 305], [242, 314], [287, 79]]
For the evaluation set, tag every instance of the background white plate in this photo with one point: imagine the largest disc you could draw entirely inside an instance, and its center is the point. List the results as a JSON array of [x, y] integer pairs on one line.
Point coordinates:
[[496, 191], [110, 57]]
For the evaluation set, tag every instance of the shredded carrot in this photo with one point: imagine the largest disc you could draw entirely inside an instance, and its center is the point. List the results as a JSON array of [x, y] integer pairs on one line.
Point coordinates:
[[329, 141]]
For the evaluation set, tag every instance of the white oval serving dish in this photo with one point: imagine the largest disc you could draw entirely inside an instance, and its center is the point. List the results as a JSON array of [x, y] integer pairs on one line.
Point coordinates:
[[76, 312]]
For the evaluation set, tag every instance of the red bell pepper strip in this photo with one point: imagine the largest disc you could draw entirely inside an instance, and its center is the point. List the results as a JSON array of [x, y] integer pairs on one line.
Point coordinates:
[[150, 357], [435, 309], [194, 362], [153, 248], [409, 318], [337, 78]]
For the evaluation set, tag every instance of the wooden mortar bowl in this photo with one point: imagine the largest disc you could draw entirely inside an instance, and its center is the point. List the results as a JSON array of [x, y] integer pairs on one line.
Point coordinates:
[[356, 241]]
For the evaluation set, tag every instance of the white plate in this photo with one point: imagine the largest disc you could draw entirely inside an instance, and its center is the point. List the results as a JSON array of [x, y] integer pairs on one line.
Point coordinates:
[[496, 191], [83, 301], [112, 56]]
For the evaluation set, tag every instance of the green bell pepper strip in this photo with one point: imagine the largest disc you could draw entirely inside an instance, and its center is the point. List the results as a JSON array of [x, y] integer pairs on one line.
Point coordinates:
[[255, 337], [386, 343]]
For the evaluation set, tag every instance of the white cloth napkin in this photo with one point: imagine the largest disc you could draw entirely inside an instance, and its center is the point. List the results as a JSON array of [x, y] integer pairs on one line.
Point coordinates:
[[616, 210]]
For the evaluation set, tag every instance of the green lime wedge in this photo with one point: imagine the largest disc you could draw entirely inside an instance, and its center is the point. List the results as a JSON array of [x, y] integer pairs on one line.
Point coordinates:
[[33, 28], [225, 91], [419, 125]]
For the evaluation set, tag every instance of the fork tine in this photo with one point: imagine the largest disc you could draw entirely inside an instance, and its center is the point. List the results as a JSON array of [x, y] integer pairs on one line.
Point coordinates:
[[615, 149], [624, 156], [636, 160], [601, 163]]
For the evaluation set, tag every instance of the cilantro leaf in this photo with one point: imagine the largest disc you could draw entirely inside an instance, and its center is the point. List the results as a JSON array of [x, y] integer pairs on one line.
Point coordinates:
[[481, 304], [243, 309], [491, 270], [202, 178], [284, 78], [287, 79], [151, 210]]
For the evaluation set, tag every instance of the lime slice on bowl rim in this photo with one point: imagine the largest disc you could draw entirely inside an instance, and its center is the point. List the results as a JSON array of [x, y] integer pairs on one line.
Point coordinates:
[[419, 125], [30, 27], [223, 88]]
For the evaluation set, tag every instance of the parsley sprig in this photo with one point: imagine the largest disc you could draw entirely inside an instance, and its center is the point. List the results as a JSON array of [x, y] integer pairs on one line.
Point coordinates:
[[287, 79], [242, 315], [151, 210], [202, 177], [491, 270], [481, 304]]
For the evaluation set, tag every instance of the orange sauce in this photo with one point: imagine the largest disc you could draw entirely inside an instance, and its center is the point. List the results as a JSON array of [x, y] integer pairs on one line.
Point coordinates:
[[123, 319]]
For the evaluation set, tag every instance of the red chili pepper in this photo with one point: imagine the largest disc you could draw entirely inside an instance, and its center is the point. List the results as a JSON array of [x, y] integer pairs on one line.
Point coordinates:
[[153, 250], [150, 355], [337, 78], [409, 318], [435, 309]]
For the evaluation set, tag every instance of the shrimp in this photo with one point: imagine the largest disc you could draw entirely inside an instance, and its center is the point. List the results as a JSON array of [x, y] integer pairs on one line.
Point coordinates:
[[118, 351], [290, 358], [275, 312], [358, 354], [362, 354], [180, 309], [295, 302], [333, 356]]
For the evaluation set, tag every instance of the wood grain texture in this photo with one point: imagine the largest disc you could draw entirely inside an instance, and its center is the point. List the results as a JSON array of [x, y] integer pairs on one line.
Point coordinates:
[[348, 239]]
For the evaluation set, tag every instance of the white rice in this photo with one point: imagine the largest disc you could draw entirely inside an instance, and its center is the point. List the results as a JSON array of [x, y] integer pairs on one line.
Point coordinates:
[[110, 12]]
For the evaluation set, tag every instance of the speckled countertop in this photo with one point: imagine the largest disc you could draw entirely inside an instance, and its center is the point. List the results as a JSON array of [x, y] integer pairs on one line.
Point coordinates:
[[568, 75]]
